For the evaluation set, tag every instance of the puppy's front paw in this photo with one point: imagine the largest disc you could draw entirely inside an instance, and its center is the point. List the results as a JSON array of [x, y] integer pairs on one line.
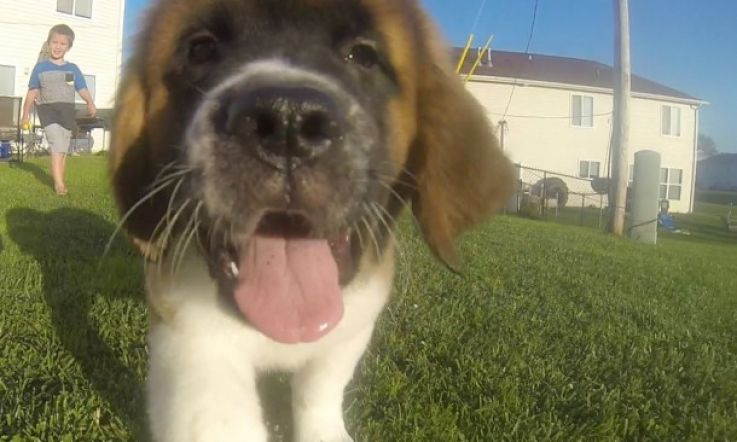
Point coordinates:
[[323, 436], [210, 427], [316, 427]]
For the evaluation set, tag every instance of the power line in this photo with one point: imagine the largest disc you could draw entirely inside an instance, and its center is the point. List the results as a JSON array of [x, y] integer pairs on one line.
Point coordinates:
[[478, 16], [532, 26], [527, 52]]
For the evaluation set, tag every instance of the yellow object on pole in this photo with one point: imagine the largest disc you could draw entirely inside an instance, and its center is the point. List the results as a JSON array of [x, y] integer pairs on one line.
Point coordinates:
[[480, 56], [464, 54]]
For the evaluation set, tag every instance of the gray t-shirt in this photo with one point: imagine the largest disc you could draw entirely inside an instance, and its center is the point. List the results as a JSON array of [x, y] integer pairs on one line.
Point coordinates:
[[57, 85]]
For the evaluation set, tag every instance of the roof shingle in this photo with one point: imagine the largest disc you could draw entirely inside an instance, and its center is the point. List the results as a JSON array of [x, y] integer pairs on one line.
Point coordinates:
[[549, 68]]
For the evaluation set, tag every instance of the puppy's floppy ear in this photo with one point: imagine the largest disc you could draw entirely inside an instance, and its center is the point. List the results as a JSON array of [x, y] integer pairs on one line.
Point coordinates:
[[460, 173], [131, 162]]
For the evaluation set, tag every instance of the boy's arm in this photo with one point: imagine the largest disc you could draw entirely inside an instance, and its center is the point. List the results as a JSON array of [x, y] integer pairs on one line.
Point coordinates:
[[28, 104], [80, 84], [87, 97], [34, 90]]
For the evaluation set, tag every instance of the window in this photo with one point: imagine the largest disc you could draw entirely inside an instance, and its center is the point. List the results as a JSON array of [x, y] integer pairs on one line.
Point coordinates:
[[670, 183], [582, 111], [83, 8], [7, 81], [588, 169], [65, 6], [671, 121], [91, 83], [80, 8]]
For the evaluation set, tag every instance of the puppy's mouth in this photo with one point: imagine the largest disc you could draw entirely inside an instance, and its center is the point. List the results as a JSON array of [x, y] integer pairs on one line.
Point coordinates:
[[286, 279]]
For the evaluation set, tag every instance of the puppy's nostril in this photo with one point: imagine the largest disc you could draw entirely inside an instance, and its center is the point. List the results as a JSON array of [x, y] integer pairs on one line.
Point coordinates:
[[283, 126], [267, 124], [316, 127]]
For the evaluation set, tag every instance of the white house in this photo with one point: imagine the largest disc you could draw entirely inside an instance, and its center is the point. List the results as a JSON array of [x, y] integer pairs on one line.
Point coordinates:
[[97, 50], [557, 115]]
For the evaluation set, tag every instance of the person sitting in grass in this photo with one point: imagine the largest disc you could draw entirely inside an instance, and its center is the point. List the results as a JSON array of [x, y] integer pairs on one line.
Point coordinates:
[[52, 86]]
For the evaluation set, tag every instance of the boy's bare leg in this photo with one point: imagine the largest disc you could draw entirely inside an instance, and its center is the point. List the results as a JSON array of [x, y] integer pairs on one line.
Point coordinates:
[[58, 161]]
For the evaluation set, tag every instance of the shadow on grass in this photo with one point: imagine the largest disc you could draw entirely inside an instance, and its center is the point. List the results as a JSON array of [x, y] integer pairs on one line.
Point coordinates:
[[68, 245], [38, 172]]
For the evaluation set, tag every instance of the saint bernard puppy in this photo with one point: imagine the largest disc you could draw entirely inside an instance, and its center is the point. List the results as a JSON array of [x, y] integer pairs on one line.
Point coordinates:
[[262, 153]]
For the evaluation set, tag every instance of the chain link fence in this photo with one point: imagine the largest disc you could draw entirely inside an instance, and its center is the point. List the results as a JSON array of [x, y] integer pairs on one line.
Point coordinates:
[[558, 197]]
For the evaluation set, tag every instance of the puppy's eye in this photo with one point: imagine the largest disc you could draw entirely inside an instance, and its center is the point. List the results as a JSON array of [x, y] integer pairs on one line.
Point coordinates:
[[363, 54], [202, 48]]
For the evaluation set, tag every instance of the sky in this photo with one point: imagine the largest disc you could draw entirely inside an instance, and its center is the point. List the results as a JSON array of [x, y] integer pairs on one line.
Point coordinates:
[[684, 44]]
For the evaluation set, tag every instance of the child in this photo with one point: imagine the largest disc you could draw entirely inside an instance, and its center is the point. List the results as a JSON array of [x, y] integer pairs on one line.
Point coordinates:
[[52, 86]]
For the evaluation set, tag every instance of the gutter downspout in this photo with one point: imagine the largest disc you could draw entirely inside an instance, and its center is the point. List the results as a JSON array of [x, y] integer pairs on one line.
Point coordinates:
[[694, 160]]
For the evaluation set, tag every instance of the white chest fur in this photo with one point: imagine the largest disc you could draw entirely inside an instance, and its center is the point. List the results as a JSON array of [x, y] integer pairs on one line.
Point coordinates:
[[205, 357]]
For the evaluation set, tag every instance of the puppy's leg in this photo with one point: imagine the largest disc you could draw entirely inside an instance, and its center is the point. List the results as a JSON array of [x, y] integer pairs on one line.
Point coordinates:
[[201, 388], [318, 391]]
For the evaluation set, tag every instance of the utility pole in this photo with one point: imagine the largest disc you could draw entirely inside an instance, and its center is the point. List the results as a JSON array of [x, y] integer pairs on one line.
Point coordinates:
[[621, 117]]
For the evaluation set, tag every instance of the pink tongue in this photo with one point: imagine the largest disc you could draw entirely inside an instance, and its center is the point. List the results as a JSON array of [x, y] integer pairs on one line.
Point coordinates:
[[288, 288]]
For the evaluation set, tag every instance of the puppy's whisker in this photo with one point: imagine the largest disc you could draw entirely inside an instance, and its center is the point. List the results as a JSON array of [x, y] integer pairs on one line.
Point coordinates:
[[212, 230], [371, 233], [174, 173], [173, 165], [129, 213], [173, 195], [164, 169], [386, 213], [382, 228], [169, 229], [386, 219], [395, 167], [187, 242], [171, 177], [360, 235], [393, 180], [395, 240], [159, 242], [184, 239], [395, 194]]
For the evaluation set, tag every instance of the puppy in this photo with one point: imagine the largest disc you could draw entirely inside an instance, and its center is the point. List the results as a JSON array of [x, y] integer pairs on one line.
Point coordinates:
[[262, 152]]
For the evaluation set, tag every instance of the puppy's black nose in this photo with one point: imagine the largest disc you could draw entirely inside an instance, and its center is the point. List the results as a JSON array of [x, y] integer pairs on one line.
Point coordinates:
[[286, 125]]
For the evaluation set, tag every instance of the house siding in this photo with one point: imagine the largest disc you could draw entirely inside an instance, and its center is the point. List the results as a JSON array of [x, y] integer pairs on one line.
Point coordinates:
[[97, 49], [553, 143]]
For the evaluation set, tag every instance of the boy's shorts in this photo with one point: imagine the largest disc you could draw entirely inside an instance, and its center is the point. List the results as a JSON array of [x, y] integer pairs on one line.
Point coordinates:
[[58, 137]]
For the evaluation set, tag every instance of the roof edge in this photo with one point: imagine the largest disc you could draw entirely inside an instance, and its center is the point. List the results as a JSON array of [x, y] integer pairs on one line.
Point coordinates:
[[579, 87], [661, 91]]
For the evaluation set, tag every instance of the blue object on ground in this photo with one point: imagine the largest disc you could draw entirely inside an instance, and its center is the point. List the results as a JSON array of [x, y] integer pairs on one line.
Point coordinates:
[[665, 220], [5, 151]]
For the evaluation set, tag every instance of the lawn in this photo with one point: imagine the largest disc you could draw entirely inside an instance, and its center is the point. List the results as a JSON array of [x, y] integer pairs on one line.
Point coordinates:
[[552, 332]]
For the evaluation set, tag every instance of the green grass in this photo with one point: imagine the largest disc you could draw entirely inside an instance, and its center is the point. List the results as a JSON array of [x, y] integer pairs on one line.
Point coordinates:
[[576, 216], [552, 332]]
